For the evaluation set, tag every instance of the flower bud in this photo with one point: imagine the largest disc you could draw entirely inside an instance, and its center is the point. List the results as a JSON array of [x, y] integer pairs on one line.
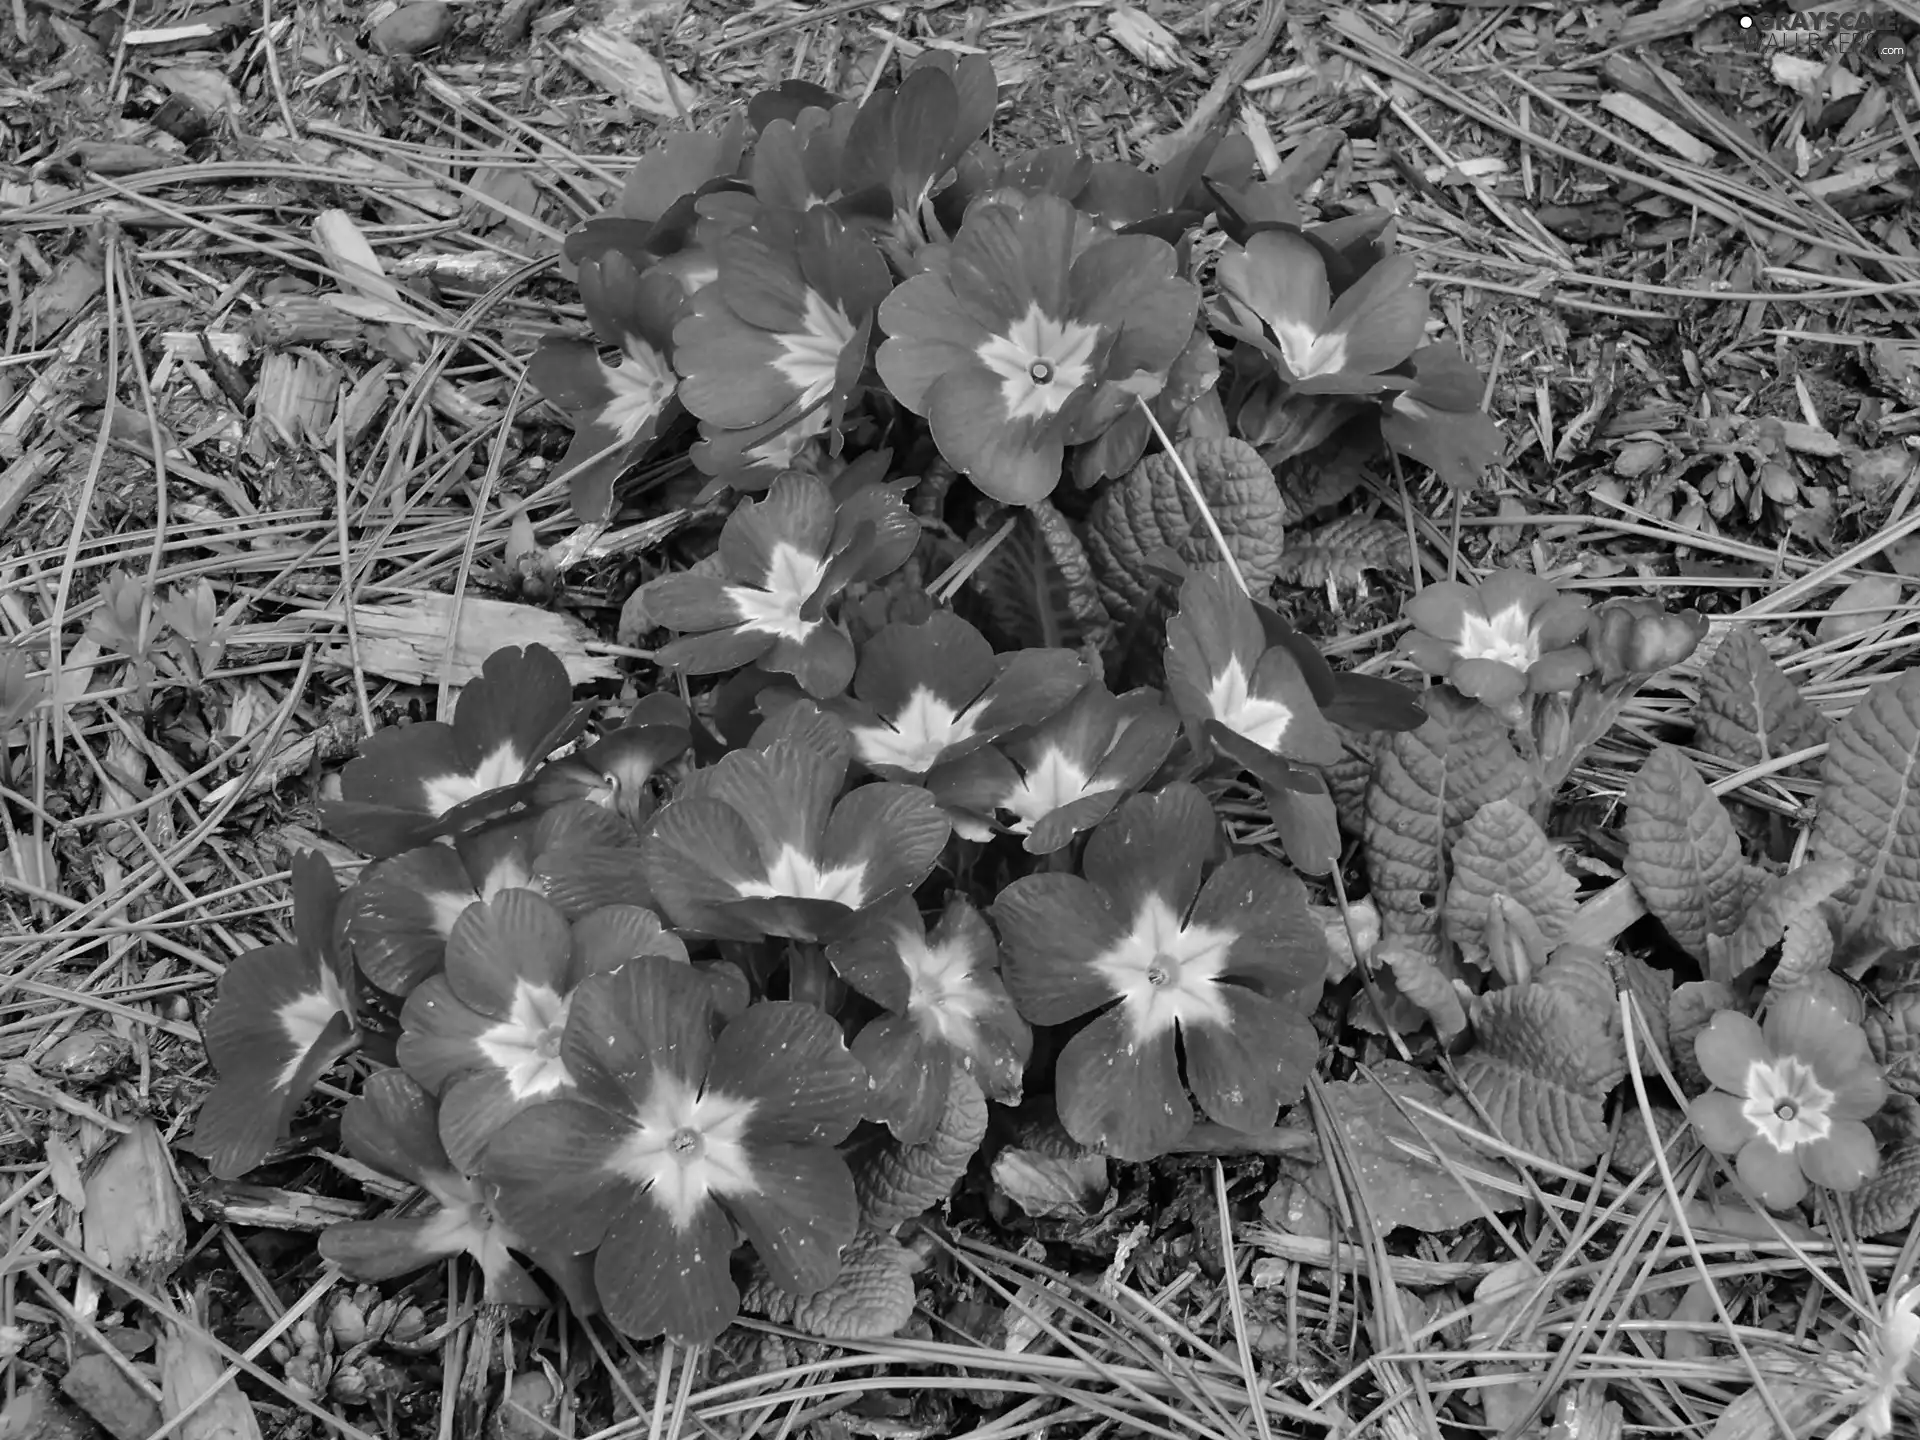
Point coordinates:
[[348, 1323], [1638, 637]]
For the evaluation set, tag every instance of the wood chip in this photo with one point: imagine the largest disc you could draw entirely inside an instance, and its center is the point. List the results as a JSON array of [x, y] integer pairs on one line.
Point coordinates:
[[1645, 118], [624, 69], [408, 641]]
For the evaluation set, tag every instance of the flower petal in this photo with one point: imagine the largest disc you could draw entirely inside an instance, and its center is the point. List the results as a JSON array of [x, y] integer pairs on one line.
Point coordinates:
[[516, 713], [1771, 1174], [797, 513], [611, 934], [569, 374], [789, 1059], [688, 603], [1244, 1071], [1308, 736], [1844, 1160], [931, 332], [1215, 629], [656, 1279], [784, 793], [387, 1248], [867, 956], [1121, 1095], [1052, 928], [822, 661], [1033, 685], [474, 1108], [1384, 317], [1281, 278], [391, 1126], [1278, 948], [1441, 610], [700, 854], [498, 945], [1805, 1023], [439, 1037], [1017, 462], [652, 1015], [1154, 845], [942, 656], [731, 379], [910, 1076], [801, 1214], [1492, 682], [403, 909], [548, 1170], [1005, 260], [714, 653], [893, 832], [1729, 1046], [1721, 1122]]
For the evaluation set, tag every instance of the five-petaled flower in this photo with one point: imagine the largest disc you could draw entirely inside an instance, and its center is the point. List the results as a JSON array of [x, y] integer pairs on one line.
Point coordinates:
[[1791, 1097], [781, 337], [390, 1126], [1279, 299], [616, 409], [1056, 779], [945, 1006], [1511, 634], [283, 1018], [485, 1035], [412, 783], [576, 854], [763, 844], [1031, 334], [928, 693], [1231, 686], [782, 558], [678, 1131], [1226, 979]]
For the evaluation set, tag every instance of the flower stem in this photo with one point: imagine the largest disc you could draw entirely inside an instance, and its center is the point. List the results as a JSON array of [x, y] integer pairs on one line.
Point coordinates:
[[1199, 496]]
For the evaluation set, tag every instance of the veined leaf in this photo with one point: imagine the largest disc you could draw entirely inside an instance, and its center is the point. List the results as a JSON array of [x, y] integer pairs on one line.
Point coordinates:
[[1503, 852], [1545, 1056], [1870, 810], [1038, 586], [895, 1182], [1426, 785], [1748, 711], [1890, 1198], [1779, 901], [1683, 855], [1343, 550], [870, 1299], [1150, 508]]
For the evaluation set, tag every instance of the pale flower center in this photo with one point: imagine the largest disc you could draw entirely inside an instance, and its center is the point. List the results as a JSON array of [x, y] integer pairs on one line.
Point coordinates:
[[798, 876], [1166, 972], [525, 1047], [1506, 637], [809, 358], [1054, 782], [504, 766], [1253, 717], [641, 383], [1787, 1103], [1041, 362], [686, 1145], [1308, 352], [915, 738], [781, 450], [943, 998], [304, 1018], [774, 608]]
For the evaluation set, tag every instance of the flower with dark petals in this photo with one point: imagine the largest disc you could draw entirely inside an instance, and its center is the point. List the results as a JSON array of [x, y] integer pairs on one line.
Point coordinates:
[[1509, 635], [283, 1018], [1224, 972], [945, 1007], [680, 1131]]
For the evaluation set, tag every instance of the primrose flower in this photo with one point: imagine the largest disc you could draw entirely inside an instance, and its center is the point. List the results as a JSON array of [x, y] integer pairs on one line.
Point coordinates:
[[1628, 638], [945, 1006], [784, 331], [1031, 336], [1791, 1097], [931, 692], [283, 1018], [679, 1131], [1881, 1369], [1511, 634], [616, 409], [907, 138], [390, 1126], [763, 844], [576, 855], [485, 1035], [1063, 776], [613, 772], [412, 783], [1226, 979], [1279, 299], [1224, 676], [782, 559]]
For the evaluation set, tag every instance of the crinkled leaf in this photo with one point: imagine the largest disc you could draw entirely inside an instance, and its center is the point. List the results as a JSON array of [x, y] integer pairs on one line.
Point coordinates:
[[1324, 474], [870, 1299], [895, 1182], [1893, 1031], [1652, 991], [1150, 507], [1424, 983], [1633, 1145], [1389, 1149], [1545, 1055], [1748, 711], [1038, 585], [1806, 950], [1779, 901], [1052, 1187], [1503, 852], [1683, 854], [1426, 784], [1870, 810], [1890, 1199], [1343, 550]]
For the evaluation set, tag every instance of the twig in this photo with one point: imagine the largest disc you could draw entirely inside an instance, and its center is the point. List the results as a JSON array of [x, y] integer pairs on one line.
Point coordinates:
[[1226, 85]]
